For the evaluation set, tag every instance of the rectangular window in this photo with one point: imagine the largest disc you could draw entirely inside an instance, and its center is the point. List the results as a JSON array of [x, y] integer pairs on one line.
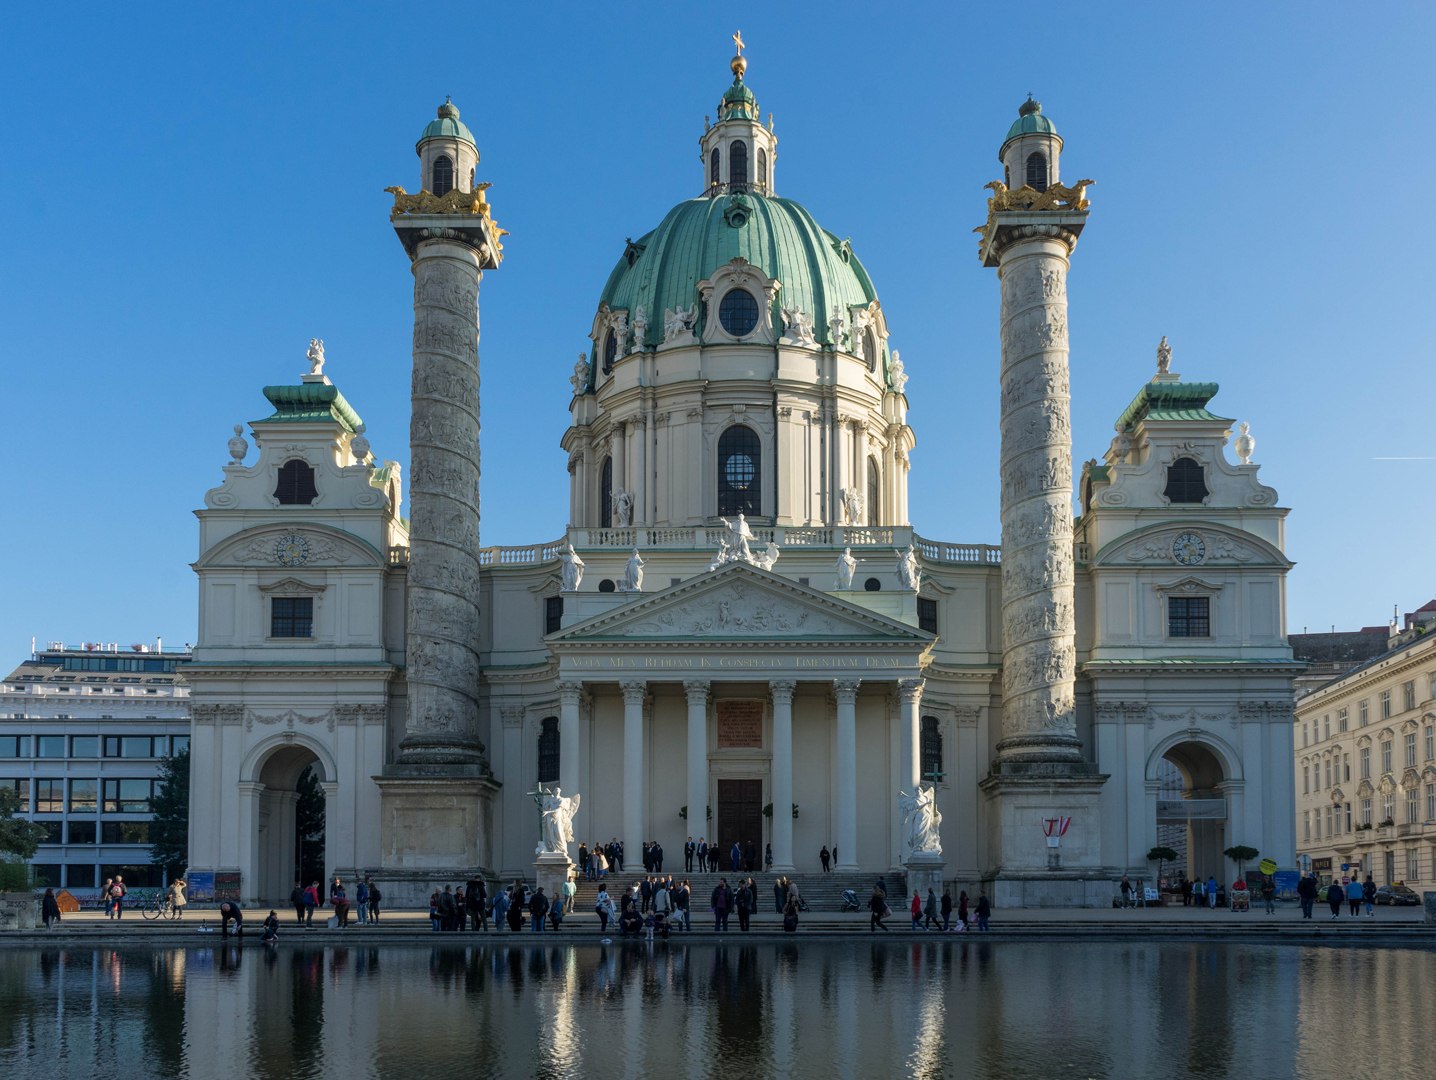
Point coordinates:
[[927, 615], [181, 744], [127, 796], [1410, 746], [51, 746], [1408, 696], [1366, 763], [1363, 713], [130, 746], [21, 787], [1366, 811], [1328, 772], [1413, 869], [1431, 802], [1346, 768], [54, 832], [1305, 735], [14, 746], [552, 614], [85, 746], [1318, 823], [49, 796], [1386, 756], [1385, 704], [47, 875], [1388, 809], [1348, 817], [1432, 694], [81, 831], [291, 617], [82, 796], [80, 875], [1412, 813], [127, 832], [1326, 725], [1430, 742], [1340, 719], [1188, 616], [1306, 824], [1328, 822], [1306, 779]]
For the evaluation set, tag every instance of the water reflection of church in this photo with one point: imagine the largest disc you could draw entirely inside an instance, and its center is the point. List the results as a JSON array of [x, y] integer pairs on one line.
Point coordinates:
[[741, 364]]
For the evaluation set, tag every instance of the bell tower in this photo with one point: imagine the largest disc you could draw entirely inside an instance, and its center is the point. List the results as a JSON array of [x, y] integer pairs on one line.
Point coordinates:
[[738, 152]]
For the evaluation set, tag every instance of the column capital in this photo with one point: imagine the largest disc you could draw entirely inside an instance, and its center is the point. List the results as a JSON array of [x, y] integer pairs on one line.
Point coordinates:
[[569, 690], [634, 691], [782, 690], [511, 715], [251, 787], [910, 689], [698, 690], [846, 690]]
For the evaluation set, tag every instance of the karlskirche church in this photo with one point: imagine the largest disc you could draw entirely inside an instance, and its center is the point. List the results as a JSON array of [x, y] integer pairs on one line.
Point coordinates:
[[742, 635]]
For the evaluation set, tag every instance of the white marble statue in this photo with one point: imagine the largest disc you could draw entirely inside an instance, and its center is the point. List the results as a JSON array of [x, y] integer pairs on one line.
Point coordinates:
[[799, 326], [579, 378], [896, 374], [846, 565], [632, 574], [734, 547], [640, 330], [622, 509], [238, 447], [677, 323], [557, 819], [907, 569], [572, 569], [767, 557], [836, 322], [1245, 445], [1164, 356], [315, 355], [852, 500], [921, 818]]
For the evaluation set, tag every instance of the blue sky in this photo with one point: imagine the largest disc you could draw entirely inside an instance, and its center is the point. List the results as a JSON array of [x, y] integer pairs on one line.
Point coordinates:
[[192, 192]]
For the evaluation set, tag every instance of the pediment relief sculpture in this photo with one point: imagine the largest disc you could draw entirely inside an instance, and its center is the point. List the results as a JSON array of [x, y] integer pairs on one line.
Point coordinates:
[[291, 546], [1364, 790]]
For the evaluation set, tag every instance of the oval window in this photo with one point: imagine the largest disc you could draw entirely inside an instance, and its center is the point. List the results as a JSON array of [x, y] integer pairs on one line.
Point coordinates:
[[607, 585], [873, 585], [738, 312]]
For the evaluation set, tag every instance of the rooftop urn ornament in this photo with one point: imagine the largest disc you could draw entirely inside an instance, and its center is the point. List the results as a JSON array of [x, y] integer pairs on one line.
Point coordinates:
[[359, 446], [237, 445], [907, 569], [1121, 445], [579, 378], [1164, 357], [315, 356], [1244, 444], [896, 375], [640, 330], [572, 569], [836, 323], [846, 566], [632, 574]]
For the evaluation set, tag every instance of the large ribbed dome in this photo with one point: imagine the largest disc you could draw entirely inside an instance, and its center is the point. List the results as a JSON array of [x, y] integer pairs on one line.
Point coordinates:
[[662, 270]]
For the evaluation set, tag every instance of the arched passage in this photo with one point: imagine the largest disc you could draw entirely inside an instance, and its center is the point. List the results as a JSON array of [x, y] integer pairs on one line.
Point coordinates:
[[288, 804], [1193, 808]]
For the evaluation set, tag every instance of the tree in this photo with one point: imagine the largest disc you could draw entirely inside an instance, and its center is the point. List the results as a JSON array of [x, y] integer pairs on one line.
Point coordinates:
[[169, 831], [18, 838], [1161, 855], [1242, 854], [309, 827]]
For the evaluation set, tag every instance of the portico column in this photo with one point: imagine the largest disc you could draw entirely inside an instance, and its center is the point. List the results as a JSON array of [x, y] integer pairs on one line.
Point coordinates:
[[846, 691], [782, 690], [635, 691], [331, 828], [250, 793], [910, 763], [570, 748], [697, 755]]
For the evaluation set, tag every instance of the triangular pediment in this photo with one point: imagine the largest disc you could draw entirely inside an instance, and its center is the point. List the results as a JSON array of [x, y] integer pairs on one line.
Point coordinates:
[[745, 603]]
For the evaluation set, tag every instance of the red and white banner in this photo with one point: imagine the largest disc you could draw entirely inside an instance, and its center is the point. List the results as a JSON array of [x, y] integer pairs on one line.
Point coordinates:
[[1056, 826]]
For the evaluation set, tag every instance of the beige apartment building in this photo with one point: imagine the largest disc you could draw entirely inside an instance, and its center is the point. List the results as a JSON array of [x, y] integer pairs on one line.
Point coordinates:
[[1366, 764]]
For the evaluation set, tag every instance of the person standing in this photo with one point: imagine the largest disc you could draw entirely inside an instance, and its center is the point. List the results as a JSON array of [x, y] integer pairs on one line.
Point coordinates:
[[1368, 893], [361, 900], [1306, 890], [604, 908], [660, 897], [1186, 892], [50, 910], [448, 908], [878, 905], [374, 897], [684, 899], [645, 893], [702, 852], [1353, 897], [538, 908], [177, 897], [720, 903], [117, 894], [929, 911], [1212, 890], [1335, 894], [296, 897], [962, 908], [1268, 893], [311, 901], [768, 859], [823, 858], [735, 856], [744, 901], [1126, 887], [714, 858], [915, 910], [688, 849], [946, 908], [778, 895], [107, 897], [618, 855], [984, 911]]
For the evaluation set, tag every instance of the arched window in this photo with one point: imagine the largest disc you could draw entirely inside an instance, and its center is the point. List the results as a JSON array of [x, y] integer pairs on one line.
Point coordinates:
[[875, 492], [1186, 481], [762, 166], [548, 750], [738, 312], [713, 160], [931, 750], [1037, 172], [870, 350], [740, 472], [610, 352], [738, 163], [296, 484], [605, 494], [471, 179], [443, 175]]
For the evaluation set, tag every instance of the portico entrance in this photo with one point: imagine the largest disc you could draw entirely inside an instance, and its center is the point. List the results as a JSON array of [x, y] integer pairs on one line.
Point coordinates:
[[740, 818]]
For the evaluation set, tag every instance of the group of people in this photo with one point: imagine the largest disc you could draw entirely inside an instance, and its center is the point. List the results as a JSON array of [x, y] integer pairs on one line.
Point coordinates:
[[932, 911], [471, 908], [1350, 891], [307, 899], [654, 905], [112, 894], [1198, 894], [597, 861]]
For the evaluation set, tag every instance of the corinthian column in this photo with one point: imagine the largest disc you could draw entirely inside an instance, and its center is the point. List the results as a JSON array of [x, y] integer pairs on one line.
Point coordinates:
[[1038, 650]]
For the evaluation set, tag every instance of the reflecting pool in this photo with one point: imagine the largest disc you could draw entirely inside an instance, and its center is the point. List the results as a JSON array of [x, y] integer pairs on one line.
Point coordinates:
[[864, 1010]]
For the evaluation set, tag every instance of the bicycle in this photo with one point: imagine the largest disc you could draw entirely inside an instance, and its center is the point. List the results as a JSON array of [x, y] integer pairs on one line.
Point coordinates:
[[160, 907]]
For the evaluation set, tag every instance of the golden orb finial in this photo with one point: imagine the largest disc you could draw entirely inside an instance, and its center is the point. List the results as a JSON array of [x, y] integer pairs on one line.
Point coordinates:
[[739, 65]]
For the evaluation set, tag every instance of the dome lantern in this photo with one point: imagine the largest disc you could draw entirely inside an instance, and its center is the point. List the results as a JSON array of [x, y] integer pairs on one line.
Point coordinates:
[[1031, 153], [738, 153], [448, 156]]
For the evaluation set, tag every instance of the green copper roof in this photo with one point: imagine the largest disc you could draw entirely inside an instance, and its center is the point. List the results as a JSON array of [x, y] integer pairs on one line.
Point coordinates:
[[816, 268], [1030, 121], [310, 403], [1171, 401], [447, 126]]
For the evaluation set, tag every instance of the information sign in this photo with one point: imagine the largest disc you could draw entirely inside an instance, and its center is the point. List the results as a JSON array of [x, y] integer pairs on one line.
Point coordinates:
[[201, 887], [1286, 882], [226, 885]]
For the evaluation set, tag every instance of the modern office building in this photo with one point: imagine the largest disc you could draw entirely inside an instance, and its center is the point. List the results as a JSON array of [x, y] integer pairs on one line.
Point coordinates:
[[83, 730]]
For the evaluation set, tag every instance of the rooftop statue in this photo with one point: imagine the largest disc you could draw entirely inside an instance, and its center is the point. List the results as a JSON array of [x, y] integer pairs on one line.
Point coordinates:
[[315, 355], [572, 569], [1164, 357]]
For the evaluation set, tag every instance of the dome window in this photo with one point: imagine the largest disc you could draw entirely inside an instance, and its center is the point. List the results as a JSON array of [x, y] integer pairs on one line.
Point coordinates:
[[296, 484], [870, 350], [610, 352], [874, 492], [605, 494], [738, 163], [738, 312], [740, 458], [1037, 172], [1186, 481], [713, 162], [762, 166], [443, 175]]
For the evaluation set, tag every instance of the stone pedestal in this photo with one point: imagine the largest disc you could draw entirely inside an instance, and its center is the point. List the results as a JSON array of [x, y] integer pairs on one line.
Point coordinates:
[[551, 870], [924, 871], [17, 911], [436, 828], [1023, 871]]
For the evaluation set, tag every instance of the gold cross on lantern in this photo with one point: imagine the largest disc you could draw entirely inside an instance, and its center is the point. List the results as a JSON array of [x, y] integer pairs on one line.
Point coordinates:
[[738, 42]]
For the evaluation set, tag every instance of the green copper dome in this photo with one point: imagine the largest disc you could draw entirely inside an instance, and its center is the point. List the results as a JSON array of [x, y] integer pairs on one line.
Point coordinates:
[[662, 269], [447, 126], [1030, 121]]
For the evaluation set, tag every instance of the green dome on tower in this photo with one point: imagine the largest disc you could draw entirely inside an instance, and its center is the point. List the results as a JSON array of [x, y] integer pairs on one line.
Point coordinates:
[[447, 126], [1030, 121]]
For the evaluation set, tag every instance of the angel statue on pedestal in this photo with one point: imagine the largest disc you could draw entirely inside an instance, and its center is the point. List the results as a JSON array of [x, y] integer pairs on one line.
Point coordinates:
[[921, 819], [558, 813]]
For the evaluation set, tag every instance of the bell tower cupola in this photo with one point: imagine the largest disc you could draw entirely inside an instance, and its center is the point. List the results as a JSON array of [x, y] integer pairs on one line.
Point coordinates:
[[1031, 153], [448, 156], [738, 152]]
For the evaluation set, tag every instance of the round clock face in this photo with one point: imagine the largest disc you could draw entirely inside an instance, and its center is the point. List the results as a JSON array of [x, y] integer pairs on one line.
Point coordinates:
[[291, 550], [1189, 549]]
